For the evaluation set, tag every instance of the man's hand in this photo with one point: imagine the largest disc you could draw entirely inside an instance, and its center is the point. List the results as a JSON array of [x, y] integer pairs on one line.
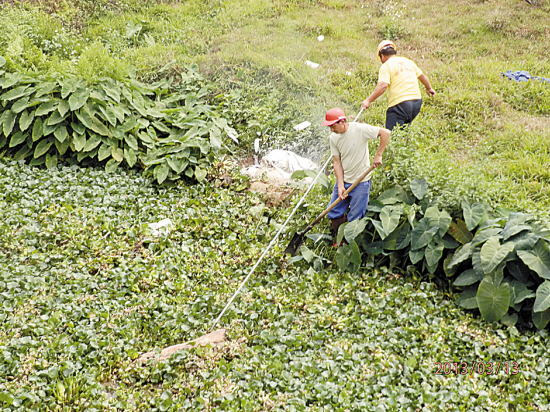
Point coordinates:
[[377, 161], [341, 194], [431, 92], [365, 104]]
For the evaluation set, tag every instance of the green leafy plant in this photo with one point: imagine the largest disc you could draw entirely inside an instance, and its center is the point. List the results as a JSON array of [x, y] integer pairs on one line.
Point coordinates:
[[168, 131]]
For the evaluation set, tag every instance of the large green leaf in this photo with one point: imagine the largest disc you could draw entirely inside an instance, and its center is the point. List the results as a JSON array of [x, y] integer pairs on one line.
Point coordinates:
[[92, 142], [467, 299], [390, 216], [460, 232], [542, 302], [25, 120], [422, 234], [160, 172], [538, 259], [467, 278], [117, 153], [79, 141], [511, 230], [348, 257], [493, 253], [354, 229], [483, 235], [419, 187], [416, 255], [78, 98], [442, 219], [130, 157], [46, 108], [100, 128], [9, 122], [104, 151], [51, 161], [14, 93], [61, 133], [461, 254], [200, 174], [62, 146], [433, 253], [541, 319], [111, 166], [42, 147], [215, 137], [20, 105], [37, 129], [472, 214], [18, 138], [493, 299]]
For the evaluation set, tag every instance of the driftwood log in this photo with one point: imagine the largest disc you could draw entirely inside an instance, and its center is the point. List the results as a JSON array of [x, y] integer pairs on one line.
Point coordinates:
[[214, 338]]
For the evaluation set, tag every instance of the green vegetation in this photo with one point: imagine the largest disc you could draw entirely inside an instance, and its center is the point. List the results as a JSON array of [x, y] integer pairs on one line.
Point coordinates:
[[85, 286]]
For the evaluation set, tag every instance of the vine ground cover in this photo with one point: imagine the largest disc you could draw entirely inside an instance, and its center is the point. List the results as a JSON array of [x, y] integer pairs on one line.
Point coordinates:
[[85, 289]]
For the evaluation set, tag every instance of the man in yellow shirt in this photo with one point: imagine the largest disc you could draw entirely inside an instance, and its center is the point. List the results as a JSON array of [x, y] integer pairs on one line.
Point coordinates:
[[399, 76]]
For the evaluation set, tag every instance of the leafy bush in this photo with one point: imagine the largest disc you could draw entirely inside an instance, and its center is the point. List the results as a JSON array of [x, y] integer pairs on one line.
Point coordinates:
[[168, 131], [502, 258]]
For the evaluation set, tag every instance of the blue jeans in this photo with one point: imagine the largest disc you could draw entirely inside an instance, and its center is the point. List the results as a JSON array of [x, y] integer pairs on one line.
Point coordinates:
[[357, 202]]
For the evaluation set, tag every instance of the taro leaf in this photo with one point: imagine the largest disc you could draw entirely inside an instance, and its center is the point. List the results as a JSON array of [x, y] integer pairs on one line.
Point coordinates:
[[541, 319], [460, 232], [2, 61], [449, 242], [14, 93], [513, 230], [416, 255], [78, 128], [131, 141], [108, 114], [449, 271], [472, 214], [5, 397], [461, 254], [441, 219], [92, 142], [374, 205], [111, 166], [84, 118], [200, 174], [476, 260], [493, 299], [422, 234], [215, 137], [519, 218], [419, 187], [485, 234], [433, 253], [316, 237], [354, 229], [79, 141], [467, 278], [130, 157], [78, 98], [375, 248], [47, 129], [430, 269], [348, 257], [25, 120], [394, 195], [521, 292], [42, 147], [22, 153], [133, 29], [63, 107], [493, 253], [307, 253], [11, 78], [467, 299], [399, 238], [525, 241], [538, 259], [37, 130], [20, 105], [46, 107], [18, 138], [177, 165], [9, 122], [509, 320], [51, 161], [117, 153], [160, 172], [70, 85], [3, 141], [104, 151], [62, 146], [61, 133], [389, 216], [111, 90], [542, 302], [100, 128]]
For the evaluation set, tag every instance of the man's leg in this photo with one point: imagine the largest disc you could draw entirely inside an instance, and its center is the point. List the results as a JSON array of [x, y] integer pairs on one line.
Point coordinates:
[[402, 113], [359, 201], [337, 215]]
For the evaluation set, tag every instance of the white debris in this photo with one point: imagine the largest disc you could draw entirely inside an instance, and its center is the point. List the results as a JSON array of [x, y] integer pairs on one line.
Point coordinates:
[[321, 38], [156, 227], [278, 166], [348, 73], [301, 126], [312, 65]]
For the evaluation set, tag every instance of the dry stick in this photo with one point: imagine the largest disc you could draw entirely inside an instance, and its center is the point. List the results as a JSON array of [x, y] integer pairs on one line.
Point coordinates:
[[274, 239]]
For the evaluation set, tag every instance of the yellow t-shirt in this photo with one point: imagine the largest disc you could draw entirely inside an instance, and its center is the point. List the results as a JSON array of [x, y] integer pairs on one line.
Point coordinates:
[[402, 76], [353, 149]]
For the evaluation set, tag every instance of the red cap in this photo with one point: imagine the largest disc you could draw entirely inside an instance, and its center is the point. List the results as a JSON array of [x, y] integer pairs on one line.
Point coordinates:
[[333, 116]]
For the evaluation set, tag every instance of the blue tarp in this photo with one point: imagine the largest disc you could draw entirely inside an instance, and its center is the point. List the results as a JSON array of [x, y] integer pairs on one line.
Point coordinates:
[[523, 76]]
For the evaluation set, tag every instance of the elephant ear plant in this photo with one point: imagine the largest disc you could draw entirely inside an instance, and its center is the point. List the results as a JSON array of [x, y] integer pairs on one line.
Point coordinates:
[[499, 260], [166, 128]]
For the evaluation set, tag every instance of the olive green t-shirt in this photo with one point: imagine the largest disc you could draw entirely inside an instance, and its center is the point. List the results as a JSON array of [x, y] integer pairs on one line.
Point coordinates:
[[353, 149]]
